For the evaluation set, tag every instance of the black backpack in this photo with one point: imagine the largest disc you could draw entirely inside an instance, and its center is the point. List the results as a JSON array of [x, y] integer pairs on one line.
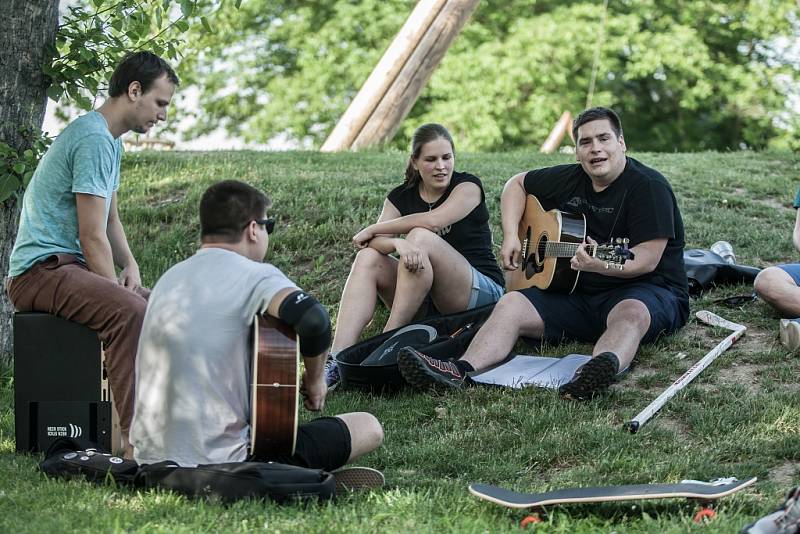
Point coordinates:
[[227, 482], [705, 269]]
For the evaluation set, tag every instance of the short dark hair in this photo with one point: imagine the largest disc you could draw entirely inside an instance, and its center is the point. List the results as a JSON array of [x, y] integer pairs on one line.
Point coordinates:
[[424, 134], [226, 209], [142, 67], [596, 114]]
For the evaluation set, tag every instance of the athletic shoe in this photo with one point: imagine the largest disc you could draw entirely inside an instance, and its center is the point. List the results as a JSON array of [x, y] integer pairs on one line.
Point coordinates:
[[790, 333], [785, 520], [331, 372], [424, 372], [357, 478], [592, 378]]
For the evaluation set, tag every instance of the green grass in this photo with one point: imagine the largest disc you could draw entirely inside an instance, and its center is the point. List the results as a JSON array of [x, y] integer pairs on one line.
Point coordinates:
[[740, 417]]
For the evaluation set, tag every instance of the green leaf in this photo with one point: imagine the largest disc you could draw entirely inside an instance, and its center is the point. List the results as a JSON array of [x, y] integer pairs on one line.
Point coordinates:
[[83, 102], [98, 3], [206, 25], [54, 92], [28, 154], [237, 3], [18, 168], [8, 186], [26, 179], [187, 6], [182, 25]]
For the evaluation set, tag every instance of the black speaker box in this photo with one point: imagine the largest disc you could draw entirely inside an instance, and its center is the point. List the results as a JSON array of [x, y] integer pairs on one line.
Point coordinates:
[[60, 386]]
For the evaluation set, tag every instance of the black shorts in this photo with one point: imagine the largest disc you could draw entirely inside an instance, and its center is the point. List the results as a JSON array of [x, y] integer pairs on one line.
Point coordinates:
[[582, 317], [323, 443]]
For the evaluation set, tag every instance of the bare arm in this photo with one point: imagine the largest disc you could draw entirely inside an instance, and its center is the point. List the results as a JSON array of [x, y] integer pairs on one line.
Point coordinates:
[[120, 251], [313, 387], [94, 241], [385, 244], [512, 206], [647, 254], [464, 198], [796, 233]]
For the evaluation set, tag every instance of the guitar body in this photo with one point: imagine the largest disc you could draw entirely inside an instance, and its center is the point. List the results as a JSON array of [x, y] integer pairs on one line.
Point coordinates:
[[276, 389], [539, 268]]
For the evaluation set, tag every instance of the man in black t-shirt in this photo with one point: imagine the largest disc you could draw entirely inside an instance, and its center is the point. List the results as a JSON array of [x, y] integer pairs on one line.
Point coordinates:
[[615, 309]]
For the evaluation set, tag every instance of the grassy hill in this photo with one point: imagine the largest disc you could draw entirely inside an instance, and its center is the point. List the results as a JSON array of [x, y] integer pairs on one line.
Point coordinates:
[[741, 417]]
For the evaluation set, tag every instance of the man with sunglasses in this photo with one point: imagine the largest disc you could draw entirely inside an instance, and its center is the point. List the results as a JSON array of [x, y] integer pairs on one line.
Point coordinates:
[[195, 352]]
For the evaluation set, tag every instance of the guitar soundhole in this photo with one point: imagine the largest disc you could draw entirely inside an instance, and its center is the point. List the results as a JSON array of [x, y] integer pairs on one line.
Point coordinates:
[[533, 264]]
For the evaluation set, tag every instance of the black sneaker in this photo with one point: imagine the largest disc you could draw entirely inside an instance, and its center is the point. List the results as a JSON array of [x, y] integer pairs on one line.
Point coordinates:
[[424, 372], [595, 376]]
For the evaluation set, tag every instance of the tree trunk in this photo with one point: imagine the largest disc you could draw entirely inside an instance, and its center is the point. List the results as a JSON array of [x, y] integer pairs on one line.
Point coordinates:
[[406, 87], [383, 75], [27, 31]]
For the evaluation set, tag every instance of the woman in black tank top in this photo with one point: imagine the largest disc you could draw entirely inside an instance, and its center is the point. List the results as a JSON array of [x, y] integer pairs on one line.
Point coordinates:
[[446, 252]]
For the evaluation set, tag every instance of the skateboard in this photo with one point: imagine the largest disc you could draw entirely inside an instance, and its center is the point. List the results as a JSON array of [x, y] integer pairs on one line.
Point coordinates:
[[704, 492]]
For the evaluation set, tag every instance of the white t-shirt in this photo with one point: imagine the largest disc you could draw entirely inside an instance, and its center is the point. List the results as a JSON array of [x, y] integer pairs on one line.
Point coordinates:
[[193, 366]]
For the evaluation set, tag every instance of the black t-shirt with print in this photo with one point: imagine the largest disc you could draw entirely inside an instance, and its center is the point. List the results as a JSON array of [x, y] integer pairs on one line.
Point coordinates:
[[471, 236], [639, 205]]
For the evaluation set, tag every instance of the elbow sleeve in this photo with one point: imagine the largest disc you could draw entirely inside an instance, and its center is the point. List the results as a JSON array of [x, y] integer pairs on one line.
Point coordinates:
[[310, 321]]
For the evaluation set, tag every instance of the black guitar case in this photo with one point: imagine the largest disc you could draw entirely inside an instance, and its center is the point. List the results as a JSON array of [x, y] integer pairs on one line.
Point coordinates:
[[706, 269], [454, 333]]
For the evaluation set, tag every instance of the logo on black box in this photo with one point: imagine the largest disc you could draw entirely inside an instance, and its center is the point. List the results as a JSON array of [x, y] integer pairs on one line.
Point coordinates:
[[71, 431]]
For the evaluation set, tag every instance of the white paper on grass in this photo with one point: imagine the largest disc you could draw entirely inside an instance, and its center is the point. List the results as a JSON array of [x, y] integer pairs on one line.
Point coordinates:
[[541, 371]]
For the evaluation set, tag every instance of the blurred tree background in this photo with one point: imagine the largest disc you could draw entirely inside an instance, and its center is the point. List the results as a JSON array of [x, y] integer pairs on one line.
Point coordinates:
[[684, 75]]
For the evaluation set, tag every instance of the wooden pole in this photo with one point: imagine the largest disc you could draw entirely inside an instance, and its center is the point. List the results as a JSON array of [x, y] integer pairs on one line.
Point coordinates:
[[402, 94], [383, 75], [561, 128]]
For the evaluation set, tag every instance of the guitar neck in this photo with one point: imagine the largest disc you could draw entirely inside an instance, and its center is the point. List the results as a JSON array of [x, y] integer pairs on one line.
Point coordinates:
[[561, 249]]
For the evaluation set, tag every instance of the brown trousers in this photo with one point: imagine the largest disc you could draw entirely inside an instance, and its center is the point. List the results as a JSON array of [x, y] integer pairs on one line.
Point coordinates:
[[63, 286]]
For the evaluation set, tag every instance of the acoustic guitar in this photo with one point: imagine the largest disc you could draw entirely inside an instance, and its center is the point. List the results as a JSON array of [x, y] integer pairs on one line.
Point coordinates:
[[549, 240], [275, 390]]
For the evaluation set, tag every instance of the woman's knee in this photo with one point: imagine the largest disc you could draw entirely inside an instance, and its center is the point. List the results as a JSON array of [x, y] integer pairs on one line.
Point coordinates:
[[367, 259], [423, 238]]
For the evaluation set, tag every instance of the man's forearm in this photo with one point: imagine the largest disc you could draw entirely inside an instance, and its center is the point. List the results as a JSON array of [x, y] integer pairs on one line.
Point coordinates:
[[120, 251], [99, 257], [512, 206], [314, 367]]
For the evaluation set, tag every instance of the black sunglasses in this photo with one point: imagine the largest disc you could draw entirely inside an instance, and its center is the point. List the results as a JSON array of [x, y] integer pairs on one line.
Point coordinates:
[[268, 224]]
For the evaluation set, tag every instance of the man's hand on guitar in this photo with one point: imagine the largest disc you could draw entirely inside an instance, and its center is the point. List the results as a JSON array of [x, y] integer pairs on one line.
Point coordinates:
[[314, 393], [584, 261], [509, 253]]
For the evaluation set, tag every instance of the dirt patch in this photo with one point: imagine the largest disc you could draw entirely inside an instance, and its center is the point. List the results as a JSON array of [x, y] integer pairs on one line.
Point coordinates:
[[757, 341], [674, 426], [743, 374], [175, 199], [772, 203], [784, 474]]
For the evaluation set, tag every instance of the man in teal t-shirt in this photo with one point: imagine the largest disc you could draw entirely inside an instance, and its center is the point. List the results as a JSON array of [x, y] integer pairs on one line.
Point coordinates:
[[70, 236], [779, 287]]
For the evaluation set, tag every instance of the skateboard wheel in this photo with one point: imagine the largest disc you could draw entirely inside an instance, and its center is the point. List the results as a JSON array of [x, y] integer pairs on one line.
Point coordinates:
[[704, 515], [529, 520]]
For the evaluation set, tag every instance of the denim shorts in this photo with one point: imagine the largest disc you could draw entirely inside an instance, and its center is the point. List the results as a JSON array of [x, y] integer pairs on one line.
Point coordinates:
[[793, 270], [484, 290]]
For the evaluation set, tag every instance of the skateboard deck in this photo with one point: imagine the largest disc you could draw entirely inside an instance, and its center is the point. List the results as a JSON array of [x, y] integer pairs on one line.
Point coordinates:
[[689, 489]]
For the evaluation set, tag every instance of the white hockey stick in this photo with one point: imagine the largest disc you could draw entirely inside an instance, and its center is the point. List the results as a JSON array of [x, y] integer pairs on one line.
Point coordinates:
[[710, 319]]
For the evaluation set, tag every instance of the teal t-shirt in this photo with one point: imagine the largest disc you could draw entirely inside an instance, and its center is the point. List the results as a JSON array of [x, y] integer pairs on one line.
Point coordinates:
[[84, 158], [796, 203]]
